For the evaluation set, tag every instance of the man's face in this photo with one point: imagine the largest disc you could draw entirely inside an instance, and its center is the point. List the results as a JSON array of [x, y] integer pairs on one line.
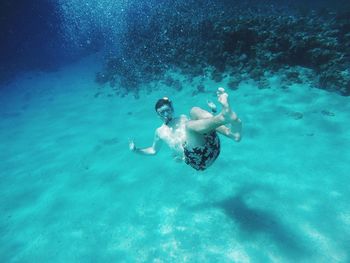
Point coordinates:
[[165, 112]]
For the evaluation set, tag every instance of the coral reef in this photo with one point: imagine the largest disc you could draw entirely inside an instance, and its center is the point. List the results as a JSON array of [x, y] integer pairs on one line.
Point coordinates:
[[235, 42]]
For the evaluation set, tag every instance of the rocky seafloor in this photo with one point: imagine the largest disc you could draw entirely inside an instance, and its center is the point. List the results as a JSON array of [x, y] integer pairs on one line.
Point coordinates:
[[240, 44]]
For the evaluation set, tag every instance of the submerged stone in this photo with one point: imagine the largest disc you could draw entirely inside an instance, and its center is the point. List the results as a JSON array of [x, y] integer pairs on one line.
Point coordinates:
[[328, 113], [296, 115]]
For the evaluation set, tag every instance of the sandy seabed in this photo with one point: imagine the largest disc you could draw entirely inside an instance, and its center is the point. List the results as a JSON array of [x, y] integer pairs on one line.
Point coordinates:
[[71, 191]]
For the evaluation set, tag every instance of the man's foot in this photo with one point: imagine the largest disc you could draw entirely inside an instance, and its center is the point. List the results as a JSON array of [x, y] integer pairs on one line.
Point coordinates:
[[222, 97], [236, 136], [228, 114], [233, 123]]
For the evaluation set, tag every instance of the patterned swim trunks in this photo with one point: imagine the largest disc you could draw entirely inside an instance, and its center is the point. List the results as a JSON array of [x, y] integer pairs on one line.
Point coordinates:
[[202, 157]]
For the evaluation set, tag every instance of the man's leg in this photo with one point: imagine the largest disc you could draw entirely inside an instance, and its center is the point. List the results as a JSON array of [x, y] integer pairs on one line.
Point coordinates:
[[232, 130], [206, 125], [197, 128], [198, 113]]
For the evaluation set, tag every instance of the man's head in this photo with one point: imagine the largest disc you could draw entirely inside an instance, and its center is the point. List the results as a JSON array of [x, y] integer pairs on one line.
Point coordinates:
[[165, 110]]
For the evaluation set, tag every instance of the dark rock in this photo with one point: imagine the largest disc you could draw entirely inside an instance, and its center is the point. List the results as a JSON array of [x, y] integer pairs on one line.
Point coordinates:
[[110, 141], [216, 76], [293, 76], [256, 74], [328, 113], [97, 94], [233, 83], [200, 88], [177, 85], [296, 115], [169, 81], [263, 84]]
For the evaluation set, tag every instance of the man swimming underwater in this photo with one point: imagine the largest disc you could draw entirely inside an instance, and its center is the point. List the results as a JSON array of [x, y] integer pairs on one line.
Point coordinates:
[[194, 140]]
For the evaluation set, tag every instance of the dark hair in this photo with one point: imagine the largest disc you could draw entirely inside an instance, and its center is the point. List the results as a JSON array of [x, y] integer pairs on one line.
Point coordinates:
[[163, 101]]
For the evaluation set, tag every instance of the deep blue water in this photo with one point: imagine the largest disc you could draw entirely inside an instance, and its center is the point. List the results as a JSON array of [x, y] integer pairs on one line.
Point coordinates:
[[48, 33]]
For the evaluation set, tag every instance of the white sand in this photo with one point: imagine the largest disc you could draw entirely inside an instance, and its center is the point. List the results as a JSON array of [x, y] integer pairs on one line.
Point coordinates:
[[72, 192]]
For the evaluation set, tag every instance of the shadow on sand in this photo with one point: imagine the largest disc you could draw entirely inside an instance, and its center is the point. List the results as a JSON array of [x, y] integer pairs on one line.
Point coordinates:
[[256, 222]]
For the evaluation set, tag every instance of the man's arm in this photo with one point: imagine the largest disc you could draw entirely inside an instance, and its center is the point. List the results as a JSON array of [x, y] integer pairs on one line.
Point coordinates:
[[157, 142]]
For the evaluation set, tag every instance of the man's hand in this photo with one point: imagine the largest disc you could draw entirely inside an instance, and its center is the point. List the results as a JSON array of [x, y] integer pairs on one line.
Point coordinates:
[[132, 146]]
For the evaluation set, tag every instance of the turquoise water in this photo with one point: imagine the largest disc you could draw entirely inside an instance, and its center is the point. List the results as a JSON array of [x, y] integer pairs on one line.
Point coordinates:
[[71, 191]]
